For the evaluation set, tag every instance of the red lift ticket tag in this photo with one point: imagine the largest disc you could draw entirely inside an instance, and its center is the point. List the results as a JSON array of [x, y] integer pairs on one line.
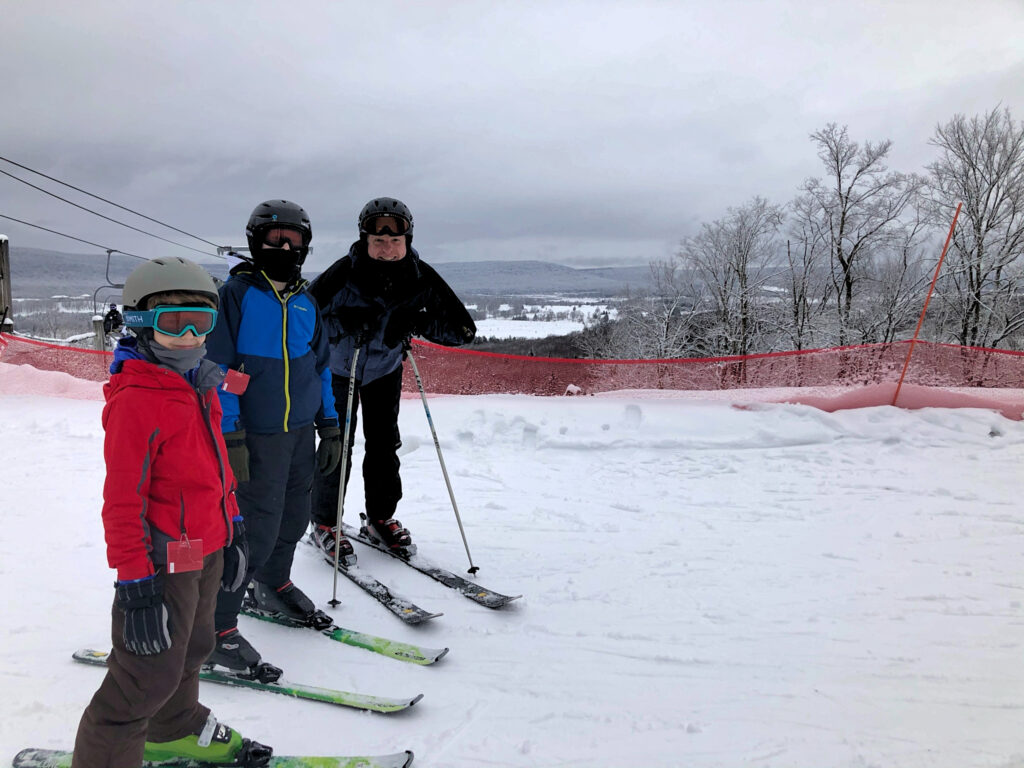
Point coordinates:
[[185, 555], [235, 382]]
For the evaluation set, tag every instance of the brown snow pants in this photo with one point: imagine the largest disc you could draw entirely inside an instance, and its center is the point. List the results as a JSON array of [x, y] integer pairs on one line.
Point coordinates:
[[153, 698]]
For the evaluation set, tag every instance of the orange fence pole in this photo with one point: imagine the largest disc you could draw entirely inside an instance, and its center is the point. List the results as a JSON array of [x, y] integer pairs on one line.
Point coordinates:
[[931, 288]]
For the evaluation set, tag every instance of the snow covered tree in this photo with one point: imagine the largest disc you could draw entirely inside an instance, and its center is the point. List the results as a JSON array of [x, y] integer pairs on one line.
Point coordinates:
[[981, 163], [731, 260], [798, 316], [652, 326], [856, 210], [895, 281]]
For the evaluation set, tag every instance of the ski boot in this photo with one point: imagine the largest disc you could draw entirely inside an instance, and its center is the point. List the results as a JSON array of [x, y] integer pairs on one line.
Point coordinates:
[[326, 538], [215, 743], [290, 602], [390, 534], [236, 654]]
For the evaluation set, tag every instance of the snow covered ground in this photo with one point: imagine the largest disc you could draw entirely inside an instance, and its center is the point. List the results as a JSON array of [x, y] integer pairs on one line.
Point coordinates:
[[704, 586], [537, 321], [506, 328]]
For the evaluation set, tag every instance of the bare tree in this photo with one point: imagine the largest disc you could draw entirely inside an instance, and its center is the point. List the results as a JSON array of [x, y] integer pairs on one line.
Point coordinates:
[[805, 276], [981, 163], [731, 258], [895, 285], [857, 209]]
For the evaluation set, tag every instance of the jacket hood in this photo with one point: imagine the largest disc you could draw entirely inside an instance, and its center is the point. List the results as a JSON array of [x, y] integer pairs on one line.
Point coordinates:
[[145, 371], [127, 349]]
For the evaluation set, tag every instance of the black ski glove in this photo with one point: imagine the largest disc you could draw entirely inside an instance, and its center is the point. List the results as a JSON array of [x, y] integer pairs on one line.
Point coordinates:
[[402, 325], [146, 623], [358, 322], [236, 559], [328, 453], [238, 454]]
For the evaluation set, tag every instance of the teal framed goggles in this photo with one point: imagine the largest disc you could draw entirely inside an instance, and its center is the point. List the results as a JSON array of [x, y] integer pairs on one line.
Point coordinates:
[[173, 319]]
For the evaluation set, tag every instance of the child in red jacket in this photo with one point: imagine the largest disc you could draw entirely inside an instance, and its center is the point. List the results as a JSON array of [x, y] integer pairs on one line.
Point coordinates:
[[172, 527]]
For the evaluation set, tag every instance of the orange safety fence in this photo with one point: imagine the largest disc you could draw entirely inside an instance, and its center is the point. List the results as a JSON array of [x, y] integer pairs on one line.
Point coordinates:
[[466, 371]]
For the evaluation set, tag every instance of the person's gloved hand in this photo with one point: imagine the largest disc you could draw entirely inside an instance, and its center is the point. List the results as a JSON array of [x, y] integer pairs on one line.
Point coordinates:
[[358, 322], [328, 453], [236, 559], [147, 630], [238, 454], [402, 325]]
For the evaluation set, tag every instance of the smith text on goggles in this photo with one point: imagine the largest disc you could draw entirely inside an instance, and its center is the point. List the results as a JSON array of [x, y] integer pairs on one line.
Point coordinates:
[[173, 319]]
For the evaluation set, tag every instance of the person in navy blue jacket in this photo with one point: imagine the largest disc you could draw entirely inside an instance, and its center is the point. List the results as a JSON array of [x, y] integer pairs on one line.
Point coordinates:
[[374, 300], [271, 334]]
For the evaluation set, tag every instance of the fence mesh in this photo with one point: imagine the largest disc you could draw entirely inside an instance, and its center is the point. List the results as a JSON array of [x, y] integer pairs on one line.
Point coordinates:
[[461, 371]]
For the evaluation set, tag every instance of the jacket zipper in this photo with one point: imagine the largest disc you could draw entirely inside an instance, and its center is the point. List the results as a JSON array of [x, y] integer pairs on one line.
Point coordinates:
[[284, 355], [205, 410]]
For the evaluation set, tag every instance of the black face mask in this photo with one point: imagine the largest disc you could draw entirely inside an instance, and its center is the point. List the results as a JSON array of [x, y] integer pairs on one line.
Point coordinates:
[[279, 264]]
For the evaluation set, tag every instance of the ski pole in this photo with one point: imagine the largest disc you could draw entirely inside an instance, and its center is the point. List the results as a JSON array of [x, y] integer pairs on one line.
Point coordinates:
[[444, 471], [344, 468]]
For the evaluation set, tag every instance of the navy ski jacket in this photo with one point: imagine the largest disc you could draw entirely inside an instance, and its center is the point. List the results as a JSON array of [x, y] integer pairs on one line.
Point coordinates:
[[277, 339], [410, 285]]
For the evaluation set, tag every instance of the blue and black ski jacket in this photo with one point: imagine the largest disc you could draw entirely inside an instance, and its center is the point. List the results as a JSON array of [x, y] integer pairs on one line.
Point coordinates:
[[278, 339]]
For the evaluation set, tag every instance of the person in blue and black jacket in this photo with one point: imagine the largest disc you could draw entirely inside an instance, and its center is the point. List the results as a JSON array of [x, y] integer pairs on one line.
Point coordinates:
[[373, 301], [271, 334]]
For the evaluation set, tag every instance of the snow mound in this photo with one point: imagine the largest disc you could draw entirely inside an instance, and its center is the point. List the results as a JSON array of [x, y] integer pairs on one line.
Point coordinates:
[[28, 380]]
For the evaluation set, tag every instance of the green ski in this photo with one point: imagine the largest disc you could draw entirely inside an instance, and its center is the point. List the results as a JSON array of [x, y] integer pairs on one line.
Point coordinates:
[[55, 758], [328, 696], [393, 649]]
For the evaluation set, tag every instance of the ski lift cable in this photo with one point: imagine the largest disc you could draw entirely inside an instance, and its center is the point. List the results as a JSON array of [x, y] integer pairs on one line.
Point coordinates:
[[108, 202], [96, 213], [72, 237]]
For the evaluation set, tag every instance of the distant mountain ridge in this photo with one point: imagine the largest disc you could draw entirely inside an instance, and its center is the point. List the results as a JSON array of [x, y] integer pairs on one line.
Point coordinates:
[[39, 273], [531, 278]]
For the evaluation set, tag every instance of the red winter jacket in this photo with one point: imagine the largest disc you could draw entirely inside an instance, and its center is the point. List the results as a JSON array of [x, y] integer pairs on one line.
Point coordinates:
[[167, 468]]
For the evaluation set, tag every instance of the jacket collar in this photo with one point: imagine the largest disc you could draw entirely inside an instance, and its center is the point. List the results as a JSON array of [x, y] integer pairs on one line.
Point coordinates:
[[248, 273], [202, 378]]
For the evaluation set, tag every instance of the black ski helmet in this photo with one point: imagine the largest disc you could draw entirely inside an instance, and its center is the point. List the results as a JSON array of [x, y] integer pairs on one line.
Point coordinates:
[[277, 213], [166, 274], [385, 206]]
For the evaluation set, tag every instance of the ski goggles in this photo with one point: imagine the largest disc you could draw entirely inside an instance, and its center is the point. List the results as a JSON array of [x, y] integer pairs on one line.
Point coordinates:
[[276, 237], [174, 319], [386, 225]]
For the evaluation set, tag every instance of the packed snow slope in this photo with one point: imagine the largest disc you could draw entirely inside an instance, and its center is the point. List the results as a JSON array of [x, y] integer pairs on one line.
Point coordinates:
[[704, 586]]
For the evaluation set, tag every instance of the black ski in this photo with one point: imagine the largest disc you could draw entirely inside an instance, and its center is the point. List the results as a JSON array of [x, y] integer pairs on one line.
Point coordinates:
[[393, 649], [402, 608], [340, 698], [55, 758], [472, 590]]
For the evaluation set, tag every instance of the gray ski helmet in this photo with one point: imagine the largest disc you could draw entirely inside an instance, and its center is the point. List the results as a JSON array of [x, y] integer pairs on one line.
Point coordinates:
[[277, 213], [385, 206], [167, 274]]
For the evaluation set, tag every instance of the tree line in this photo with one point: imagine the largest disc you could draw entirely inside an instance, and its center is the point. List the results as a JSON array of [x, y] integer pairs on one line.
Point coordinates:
[[849, 259]]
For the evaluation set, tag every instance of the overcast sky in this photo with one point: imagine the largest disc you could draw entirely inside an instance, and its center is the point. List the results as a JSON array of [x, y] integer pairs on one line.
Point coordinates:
[[585, 133]]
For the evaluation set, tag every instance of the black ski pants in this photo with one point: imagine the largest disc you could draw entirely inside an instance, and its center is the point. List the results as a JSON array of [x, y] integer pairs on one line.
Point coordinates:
[[153, 698], [380, 400], [275, 505]]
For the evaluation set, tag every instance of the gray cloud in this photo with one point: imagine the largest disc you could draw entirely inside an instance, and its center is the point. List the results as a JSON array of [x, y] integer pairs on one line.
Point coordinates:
[[582, 132]]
